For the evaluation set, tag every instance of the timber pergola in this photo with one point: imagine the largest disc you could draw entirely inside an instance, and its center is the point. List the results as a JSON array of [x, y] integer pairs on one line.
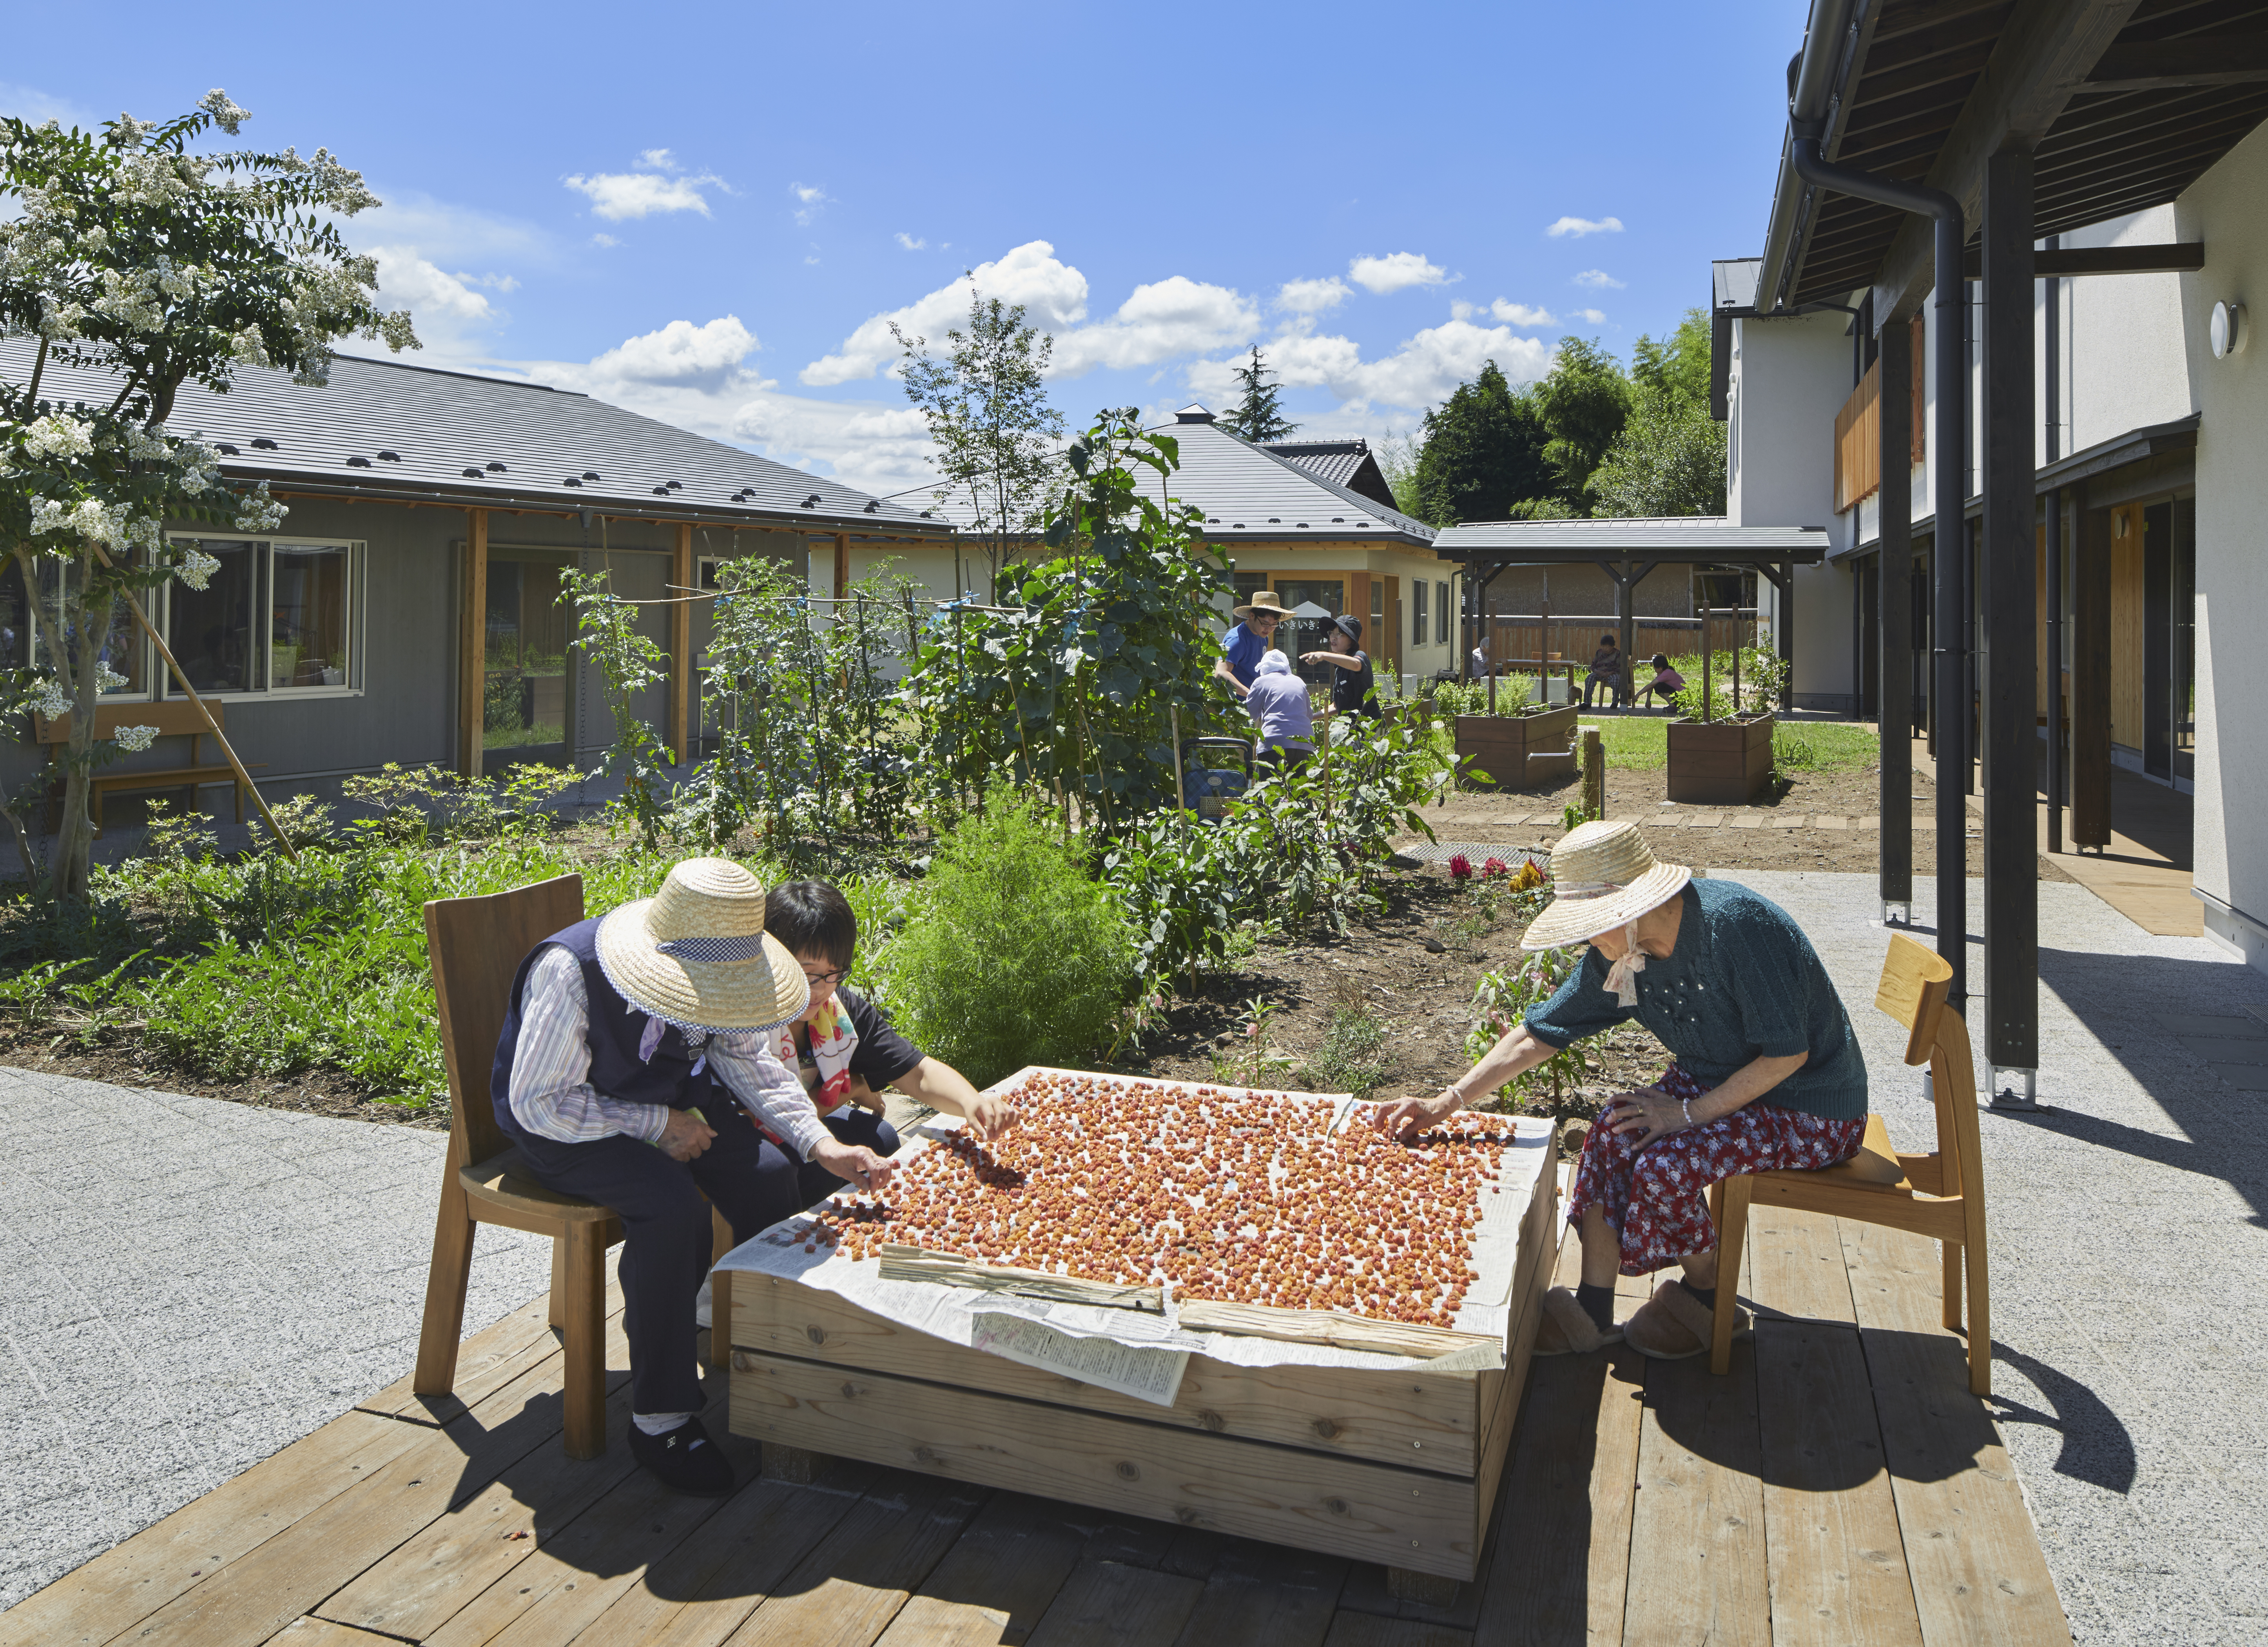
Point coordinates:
[[1626, 549], [2001, 123]]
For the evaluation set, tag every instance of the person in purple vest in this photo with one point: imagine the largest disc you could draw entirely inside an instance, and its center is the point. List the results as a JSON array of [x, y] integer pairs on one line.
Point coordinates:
[[637, 1069]]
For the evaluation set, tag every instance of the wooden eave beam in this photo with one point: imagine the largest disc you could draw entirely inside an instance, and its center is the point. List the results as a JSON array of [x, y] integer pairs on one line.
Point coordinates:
[[1945, 14], [2188, 60], [2173, 256], [1880, 84], [2047, 49]]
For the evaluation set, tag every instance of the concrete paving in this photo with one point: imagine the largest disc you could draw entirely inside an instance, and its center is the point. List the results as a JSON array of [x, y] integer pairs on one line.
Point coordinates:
[[191, 1286], [2128, 1240]]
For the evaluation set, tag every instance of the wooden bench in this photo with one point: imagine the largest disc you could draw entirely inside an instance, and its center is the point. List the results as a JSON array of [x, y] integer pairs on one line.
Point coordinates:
[[173, 717]]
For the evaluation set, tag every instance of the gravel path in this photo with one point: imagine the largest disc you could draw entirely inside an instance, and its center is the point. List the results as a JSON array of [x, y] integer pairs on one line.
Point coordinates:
[[2127, 1243], [191, 1286]]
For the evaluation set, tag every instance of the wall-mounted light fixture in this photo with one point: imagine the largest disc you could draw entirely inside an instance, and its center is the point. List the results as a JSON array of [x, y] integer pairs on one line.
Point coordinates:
[[2231, 330]]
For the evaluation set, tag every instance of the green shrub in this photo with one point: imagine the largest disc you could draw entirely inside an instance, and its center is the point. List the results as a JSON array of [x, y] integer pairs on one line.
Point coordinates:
[[1351, 1058], [1471, 697], [1010, 954]]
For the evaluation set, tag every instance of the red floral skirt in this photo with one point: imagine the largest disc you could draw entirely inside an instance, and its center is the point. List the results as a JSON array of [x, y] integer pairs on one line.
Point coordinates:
[[1656, 1198]]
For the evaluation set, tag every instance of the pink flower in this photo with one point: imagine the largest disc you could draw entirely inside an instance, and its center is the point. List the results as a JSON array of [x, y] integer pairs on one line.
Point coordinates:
[[1495, 867], [1461, 867]]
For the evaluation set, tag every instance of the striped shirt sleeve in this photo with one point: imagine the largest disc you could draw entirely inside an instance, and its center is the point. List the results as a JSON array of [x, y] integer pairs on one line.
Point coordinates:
[[551, 1091], [751, 1068]]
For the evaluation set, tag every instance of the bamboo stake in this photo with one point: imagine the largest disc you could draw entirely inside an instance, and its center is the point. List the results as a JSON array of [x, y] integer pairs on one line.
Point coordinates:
[[1182, 802], [211, 725]]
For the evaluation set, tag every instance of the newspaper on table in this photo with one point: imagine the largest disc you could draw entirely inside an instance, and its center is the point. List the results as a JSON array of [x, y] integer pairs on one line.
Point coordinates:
[[1070, 1337]]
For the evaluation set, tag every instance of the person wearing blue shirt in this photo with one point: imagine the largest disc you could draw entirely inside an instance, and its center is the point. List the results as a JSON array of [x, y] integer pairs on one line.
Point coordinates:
[[1243, 648]]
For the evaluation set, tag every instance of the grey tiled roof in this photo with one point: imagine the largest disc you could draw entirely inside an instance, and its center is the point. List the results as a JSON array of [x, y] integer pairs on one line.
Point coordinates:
[[1251, 495], [1699, 538], [385, 430], [1350, 463]]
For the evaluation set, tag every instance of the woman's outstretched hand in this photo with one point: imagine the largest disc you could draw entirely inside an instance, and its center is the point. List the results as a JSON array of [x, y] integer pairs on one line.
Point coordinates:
[[1403, 1117]]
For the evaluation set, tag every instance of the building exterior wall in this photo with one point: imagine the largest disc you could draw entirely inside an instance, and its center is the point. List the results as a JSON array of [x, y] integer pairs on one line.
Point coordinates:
[[2223, 209]]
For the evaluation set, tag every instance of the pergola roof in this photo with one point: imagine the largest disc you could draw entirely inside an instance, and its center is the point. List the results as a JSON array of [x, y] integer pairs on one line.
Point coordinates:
[[1705, 539]]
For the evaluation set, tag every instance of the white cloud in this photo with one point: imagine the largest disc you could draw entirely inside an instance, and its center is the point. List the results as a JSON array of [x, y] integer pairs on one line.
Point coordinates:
[[1166, 318], [604, 239], [28, 102], [429, 291], [621, 195], [813, 200], [1521, 314], [658, 160], [1313, 297], [1599, 280], [1053, 293], [1395, 272], [1421, 371], [1580, 226], [1595, 316], [680, 352], [911, 244]]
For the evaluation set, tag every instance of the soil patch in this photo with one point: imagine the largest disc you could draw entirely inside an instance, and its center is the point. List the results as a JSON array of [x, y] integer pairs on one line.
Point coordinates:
[[310, 1093]]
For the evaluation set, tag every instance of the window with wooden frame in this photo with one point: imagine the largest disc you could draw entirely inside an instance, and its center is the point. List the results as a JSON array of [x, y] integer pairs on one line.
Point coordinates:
[[277, 618]]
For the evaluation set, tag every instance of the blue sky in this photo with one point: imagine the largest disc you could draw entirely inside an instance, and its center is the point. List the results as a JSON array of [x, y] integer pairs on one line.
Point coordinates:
[[710, 213]]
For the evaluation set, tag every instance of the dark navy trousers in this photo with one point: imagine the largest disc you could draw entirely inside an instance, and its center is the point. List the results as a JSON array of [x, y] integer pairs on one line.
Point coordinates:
[[666, 1229]]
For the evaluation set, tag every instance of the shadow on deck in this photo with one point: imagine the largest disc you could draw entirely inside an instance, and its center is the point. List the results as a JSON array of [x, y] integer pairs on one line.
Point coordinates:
[[1839, 1486]]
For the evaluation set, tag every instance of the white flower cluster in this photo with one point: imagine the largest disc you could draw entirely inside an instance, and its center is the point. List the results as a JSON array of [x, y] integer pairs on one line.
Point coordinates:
[[126, 132], [225, 113], [197, 567], [49, 699], [339, 188], [56, 436], [105, 678], [257, 511], [134, 739]]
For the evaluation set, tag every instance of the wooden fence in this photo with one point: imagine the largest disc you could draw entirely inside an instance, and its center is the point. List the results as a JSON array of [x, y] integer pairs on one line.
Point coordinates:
[[1524, 641]]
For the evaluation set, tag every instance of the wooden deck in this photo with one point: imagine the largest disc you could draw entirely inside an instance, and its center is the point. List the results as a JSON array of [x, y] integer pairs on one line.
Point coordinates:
[[1841, 1487]]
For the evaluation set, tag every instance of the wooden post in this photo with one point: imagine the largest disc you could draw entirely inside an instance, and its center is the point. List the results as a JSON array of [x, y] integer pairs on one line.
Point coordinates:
[[2008, 656], [473, 646], [1894, 690], [1594, 773], [678, 730], [841, 563], [2052, 551], [1181, 806], [2090, 680]]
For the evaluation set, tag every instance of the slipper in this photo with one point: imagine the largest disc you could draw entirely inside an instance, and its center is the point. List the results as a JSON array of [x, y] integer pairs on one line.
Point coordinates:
[[1674, 1324], [1567, 1329]]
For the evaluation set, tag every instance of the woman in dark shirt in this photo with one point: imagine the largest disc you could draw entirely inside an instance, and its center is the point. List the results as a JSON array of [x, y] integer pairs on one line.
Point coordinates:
[[1351, 686], [1766, 1074]]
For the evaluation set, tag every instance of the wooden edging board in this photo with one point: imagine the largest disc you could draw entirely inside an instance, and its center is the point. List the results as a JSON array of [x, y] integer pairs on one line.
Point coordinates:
[[1398, 1466]]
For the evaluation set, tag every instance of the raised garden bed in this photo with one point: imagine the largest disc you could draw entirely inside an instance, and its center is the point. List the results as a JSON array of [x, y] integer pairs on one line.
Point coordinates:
[[1514, 751], [1720, 763]]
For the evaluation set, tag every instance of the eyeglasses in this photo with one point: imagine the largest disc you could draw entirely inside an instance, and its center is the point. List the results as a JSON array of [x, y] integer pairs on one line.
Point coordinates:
[[827, 975]]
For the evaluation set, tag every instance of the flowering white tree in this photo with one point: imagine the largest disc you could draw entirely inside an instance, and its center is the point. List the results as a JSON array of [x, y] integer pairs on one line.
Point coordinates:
[[131, 254]]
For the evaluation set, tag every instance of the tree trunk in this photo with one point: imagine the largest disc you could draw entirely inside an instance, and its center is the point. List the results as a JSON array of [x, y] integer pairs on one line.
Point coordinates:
[[81, 653]]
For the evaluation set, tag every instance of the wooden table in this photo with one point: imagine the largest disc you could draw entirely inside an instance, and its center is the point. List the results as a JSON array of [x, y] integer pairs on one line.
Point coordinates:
[[1397, 1465]]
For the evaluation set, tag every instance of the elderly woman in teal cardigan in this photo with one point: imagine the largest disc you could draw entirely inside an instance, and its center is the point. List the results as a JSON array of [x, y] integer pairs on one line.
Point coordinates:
[[1764, 1074]]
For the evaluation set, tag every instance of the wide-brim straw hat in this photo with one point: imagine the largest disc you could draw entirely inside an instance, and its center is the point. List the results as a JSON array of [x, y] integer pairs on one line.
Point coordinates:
[[1604, 876], [1264, 601], [696, 954]]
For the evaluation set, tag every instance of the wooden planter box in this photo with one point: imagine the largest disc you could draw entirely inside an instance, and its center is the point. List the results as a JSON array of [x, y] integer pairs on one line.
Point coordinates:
[[1517, 750], [1396, 1467], [1721, 763]]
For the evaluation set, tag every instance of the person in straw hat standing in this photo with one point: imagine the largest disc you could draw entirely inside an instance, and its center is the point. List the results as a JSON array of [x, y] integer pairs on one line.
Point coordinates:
[[1242, 646], [635, 1068], [1764, 1074]]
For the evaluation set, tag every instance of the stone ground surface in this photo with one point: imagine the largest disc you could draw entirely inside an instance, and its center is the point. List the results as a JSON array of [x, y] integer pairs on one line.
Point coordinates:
[[2130, 1354], [191, 1286]]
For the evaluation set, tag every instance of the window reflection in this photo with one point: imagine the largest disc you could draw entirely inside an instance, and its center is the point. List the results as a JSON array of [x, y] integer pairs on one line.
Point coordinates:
[[308, 644], [525, 692], [210, 631]]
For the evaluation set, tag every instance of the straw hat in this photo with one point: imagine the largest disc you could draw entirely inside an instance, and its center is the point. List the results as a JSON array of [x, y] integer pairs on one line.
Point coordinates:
[[1264, 601], [696, 954], [1604, 876]]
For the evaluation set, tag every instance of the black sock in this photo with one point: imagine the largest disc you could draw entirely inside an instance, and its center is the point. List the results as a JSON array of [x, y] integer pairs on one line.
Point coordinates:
[[1707, 1295], [1598, 1303]]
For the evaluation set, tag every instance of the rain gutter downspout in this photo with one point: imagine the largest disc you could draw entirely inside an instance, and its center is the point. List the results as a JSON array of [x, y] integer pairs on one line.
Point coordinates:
[[1811, 99]]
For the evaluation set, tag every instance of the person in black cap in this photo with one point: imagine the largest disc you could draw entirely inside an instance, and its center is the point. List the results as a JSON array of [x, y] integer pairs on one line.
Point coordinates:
[[1351, 688]]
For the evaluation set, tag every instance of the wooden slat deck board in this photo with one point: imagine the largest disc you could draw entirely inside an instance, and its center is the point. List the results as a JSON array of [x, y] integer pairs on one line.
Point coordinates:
[[1841, 1487]]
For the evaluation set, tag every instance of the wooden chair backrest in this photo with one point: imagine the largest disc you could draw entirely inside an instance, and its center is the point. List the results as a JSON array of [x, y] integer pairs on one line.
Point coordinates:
[[1914, 984], [475, 945], [173, 717]]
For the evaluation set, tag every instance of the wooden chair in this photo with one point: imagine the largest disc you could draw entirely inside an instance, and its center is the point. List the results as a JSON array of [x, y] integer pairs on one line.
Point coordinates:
[[173, 717], [1941, 1196], [475, 945]]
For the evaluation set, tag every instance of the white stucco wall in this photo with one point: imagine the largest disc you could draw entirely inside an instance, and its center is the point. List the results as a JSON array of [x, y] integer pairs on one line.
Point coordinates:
[[1789, 379], [2223, 209], [2125, 359]]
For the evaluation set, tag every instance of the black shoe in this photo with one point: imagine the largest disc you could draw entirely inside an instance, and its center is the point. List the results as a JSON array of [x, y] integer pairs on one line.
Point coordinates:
[[685, 1459]]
